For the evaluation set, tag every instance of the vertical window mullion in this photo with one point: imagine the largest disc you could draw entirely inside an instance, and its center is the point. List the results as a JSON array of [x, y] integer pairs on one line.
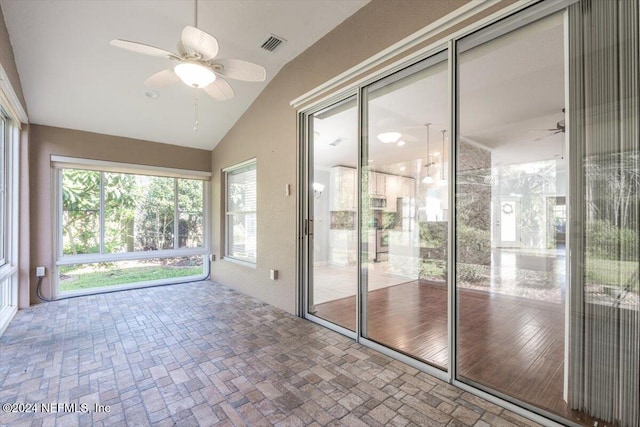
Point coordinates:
[[176, 216], [102, 210], [60, 210]]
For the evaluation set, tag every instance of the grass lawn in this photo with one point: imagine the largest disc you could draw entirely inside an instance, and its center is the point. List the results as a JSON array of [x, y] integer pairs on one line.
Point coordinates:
[[611, 273], [80, 277]]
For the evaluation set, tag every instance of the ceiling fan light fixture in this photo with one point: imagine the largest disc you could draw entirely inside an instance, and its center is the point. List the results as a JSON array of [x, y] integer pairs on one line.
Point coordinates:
[[389, 137], [194, 74]]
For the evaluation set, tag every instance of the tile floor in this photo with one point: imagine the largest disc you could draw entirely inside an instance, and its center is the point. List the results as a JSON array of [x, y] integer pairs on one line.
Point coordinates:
[[202, 354], [332, 282]]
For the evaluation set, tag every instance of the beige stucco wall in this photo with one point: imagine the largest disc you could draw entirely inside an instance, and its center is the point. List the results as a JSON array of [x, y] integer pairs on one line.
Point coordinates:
[[45, 141], [8, 61], [267, 131]]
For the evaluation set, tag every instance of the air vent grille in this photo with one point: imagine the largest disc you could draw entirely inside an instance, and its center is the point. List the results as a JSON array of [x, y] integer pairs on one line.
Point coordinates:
[[272, 43]]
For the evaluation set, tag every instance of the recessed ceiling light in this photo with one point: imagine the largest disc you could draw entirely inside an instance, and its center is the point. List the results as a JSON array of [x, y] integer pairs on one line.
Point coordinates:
[[403, 168], [401, 143], [389, 137], [150, 93]]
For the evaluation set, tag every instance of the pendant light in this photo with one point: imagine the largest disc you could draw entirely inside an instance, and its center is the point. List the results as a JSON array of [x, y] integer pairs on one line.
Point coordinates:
[[442, 182], [427, 179]]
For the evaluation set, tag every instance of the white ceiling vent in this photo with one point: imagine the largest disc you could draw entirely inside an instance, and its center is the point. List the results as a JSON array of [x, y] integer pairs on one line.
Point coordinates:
[[272, 43]]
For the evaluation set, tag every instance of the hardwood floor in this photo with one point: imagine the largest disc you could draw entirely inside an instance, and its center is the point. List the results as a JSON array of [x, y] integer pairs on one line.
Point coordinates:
[[509, 344]]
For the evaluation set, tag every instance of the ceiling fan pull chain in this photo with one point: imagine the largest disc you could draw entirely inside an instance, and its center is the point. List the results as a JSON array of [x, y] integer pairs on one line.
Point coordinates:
[[428, 125], [195, 104], [196, 13]]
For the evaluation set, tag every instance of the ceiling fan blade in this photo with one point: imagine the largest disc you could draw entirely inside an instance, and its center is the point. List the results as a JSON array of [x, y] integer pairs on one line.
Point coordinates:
[[163, 78], [549, 135], [143, 48], [196, 41], [219, 89], [241, 70]]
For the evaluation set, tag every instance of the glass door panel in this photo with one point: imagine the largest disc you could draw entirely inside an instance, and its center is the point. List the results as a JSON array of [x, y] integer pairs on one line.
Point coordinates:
[[333, 280], [404, 211], [511, 173]]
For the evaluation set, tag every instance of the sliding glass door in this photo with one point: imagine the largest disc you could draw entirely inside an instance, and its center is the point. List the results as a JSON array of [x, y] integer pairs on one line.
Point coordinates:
[[333, 201], [405, 203], [476, 212], [511, 177]]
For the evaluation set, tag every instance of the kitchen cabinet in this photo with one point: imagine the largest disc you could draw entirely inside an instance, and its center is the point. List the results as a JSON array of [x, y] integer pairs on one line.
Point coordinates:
[[343, 186], [406, 187], [391, 191], [343, 194], [377, 184]]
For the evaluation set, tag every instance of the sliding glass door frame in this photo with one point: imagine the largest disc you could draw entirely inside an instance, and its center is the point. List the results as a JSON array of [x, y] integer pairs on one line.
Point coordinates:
[[510, 23], [512, 20], [424, 62], [306, 212]]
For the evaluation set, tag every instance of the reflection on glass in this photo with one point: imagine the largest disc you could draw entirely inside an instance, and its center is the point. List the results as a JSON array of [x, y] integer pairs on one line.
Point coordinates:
[[404, 218], [510, 183], [333, 194]]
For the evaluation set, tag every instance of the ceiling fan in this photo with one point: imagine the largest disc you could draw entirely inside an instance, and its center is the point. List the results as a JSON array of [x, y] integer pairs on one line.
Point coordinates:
[[197, 65], [560, 128]]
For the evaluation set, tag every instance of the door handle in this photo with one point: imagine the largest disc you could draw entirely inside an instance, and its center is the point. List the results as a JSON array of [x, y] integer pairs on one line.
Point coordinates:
[[308, 227]]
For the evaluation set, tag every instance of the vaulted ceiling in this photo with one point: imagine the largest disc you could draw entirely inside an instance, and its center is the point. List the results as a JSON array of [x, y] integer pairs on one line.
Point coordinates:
[[73, 78]]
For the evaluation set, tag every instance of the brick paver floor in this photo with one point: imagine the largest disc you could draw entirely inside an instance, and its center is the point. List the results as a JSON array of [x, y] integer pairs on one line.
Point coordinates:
[[203, 354]]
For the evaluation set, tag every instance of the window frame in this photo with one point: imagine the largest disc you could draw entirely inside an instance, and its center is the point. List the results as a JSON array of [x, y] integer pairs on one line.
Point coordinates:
[[5, 181], [247, 165], [10, 218], [60, 163]]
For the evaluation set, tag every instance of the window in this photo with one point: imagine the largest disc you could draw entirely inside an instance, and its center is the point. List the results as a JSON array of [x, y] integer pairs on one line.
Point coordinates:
[[124, 228], [241, 189], [9, 160], [3, 193]]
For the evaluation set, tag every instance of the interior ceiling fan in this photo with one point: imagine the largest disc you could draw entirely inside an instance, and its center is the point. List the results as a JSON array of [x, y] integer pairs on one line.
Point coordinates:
[[197, 65], [560, 128]]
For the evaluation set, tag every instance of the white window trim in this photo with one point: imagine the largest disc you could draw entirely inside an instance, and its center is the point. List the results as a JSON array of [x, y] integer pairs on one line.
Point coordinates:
[[10, 102], [64, 162], [59, 163], [9, 271], [247, 262]]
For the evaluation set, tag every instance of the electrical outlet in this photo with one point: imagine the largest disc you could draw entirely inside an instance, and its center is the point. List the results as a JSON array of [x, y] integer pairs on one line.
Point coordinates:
[[40, 271]]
